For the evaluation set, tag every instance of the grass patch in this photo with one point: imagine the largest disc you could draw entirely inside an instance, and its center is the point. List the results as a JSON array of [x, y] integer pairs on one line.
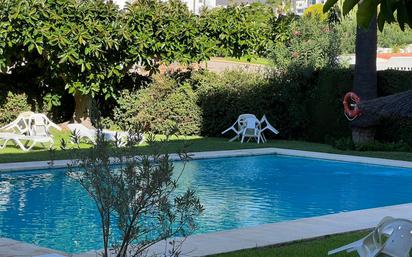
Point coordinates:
[[194, 144], [254, 60], [310, 248]]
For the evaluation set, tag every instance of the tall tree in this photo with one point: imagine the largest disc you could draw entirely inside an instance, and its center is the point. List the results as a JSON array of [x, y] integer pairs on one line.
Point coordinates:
[[88, 46], [365, 80], [370, 13]]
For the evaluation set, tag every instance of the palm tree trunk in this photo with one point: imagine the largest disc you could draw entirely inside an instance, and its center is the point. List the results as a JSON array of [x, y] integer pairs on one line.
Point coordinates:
[[365, 81]]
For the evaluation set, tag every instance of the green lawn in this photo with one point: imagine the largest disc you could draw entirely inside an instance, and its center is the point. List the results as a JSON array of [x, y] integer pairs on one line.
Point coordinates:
[[255, 60], [309, 248], [195, 144]]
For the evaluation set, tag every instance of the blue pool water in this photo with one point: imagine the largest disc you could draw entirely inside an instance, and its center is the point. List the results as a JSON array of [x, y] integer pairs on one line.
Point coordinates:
[[49, 209]]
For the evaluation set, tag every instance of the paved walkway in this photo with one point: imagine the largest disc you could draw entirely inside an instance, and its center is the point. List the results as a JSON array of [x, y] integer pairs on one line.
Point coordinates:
[[13, 248], [282, 232], [221, 65]]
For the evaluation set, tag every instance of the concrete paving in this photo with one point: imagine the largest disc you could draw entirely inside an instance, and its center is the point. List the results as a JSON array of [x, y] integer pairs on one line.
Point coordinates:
[[281, 232], [220, 65], [13, 248]]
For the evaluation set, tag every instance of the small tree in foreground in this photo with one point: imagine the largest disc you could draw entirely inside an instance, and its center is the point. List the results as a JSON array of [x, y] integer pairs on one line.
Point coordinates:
[[136, 199]]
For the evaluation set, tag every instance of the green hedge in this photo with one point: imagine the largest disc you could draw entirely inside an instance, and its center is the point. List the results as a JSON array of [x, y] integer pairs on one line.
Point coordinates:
[[301, 105]]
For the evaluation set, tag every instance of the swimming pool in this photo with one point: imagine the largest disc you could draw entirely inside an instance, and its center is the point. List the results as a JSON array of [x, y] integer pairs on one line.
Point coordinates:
[[49, 209]]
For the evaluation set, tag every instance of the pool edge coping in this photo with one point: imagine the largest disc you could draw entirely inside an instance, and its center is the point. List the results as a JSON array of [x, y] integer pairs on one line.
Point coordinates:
[[267, 235], [39, 165]]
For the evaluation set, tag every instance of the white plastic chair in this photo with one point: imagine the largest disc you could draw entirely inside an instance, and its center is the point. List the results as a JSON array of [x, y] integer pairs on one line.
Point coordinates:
[[83, 132], [239, 125], [265, 125], [398, 243], [251, 129]]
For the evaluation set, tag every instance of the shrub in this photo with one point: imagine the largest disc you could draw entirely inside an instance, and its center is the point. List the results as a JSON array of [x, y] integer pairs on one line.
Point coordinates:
[[11, 106], [316, 11], [347, 32], [164, 106], [392, 36], [311, 44]]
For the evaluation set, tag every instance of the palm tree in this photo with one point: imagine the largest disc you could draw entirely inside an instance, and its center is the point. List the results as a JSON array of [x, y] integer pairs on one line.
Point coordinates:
[[365, 80]]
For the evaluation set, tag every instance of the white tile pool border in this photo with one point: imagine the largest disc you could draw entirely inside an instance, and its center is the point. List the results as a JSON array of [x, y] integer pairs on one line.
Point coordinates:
[[21, 166], [258, 236], [282, 232]]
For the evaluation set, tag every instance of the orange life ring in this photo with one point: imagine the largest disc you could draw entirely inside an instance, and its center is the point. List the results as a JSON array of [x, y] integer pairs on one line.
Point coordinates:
[[350, 105]]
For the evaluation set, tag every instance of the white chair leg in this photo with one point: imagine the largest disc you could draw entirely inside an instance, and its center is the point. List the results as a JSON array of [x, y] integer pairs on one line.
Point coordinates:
[[31, 146], [243, 137], [234, 138], [20, 144], [262, 136], [4, 144]]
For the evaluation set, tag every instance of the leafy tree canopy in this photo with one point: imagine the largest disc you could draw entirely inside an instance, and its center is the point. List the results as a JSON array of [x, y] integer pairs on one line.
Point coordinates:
[[90, 45], [388, 11], [238, 30]]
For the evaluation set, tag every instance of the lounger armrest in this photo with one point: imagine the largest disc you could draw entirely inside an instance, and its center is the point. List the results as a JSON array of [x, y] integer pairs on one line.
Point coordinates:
[[272, 129], [228, 129], [55, 126], [348, 248], [231, 128]]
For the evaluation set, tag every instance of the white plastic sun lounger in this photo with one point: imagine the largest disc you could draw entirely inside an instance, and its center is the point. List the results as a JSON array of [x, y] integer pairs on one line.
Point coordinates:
[[398, 244], [38, 126], [20, 124], [18, 139], [83, 132]]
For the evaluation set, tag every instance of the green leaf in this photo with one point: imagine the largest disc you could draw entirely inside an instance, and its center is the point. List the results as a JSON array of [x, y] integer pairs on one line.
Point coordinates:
[[402, 16], [329, 4], [348, 6], [39, 49], [366, 11]]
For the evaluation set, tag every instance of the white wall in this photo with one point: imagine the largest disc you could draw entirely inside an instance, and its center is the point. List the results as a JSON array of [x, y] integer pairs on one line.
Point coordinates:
[[194, 5], [120, 3]]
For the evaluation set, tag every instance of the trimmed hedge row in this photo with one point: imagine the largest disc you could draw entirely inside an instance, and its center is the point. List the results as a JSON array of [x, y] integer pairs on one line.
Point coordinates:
[[302, 105]]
